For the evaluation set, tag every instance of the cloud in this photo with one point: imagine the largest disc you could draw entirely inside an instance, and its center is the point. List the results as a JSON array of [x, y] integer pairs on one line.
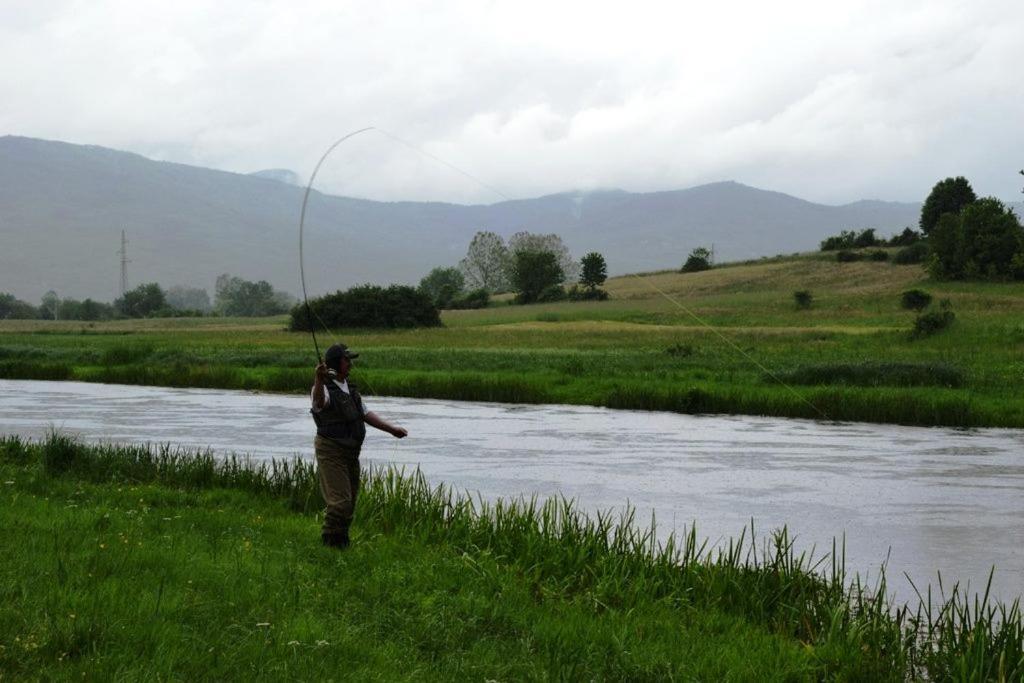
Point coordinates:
[[828, 102]]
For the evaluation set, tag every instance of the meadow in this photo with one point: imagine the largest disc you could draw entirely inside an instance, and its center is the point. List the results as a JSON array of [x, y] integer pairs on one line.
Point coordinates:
[[728, 340], [137, 562]]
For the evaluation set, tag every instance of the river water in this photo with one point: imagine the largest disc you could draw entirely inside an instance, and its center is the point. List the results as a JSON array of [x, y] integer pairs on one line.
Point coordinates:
[[926, 500]]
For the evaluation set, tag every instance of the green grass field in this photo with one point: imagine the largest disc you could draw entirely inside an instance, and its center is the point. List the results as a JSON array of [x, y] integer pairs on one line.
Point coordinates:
[[126, 563], [850, 357]]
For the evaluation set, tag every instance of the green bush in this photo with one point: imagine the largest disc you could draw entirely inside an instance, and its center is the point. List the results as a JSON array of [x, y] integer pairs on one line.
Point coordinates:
[[803, 299], [915, 299], [368, 306], [477, 298], [699, 259], [576, 293], [932, 322], [845, 256], [551, 293], [913, 253], [878, 255]]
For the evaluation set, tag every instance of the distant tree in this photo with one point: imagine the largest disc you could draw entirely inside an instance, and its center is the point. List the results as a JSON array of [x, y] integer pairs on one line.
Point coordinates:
[[142, 301], [803, 298], [699, 259], [12, 308], [866, 238], [185, 298], [49, 307], [443, 285], [235, 296], [487, 262], [844, 240], [905, 238], [528, 241], [948, 196], [985, 240], [594, 270], [534, 272]]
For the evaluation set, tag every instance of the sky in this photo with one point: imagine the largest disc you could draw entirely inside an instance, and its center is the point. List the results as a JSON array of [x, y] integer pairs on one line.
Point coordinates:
[[830, 101]]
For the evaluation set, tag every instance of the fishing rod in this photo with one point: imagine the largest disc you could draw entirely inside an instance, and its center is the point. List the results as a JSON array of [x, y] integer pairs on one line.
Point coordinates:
[[647, 280]]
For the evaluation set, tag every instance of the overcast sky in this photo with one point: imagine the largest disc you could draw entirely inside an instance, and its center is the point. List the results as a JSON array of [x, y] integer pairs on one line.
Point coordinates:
[[832, 101]]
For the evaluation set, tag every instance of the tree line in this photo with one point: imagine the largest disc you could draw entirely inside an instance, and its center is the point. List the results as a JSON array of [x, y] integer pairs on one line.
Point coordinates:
[[962, 237], [535, 267], [233, 296]]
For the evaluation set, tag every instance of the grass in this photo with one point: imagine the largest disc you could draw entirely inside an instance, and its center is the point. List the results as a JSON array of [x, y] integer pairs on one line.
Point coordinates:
[[850, 357], [137, 562]]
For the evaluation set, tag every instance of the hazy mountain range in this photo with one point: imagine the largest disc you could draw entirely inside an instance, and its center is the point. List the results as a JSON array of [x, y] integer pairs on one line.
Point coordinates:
[[63, 206]]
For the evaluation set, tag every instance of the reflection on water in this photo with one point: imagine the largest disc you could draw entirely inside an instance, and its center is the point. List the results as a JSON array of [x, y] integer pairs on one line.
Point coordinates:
[[929, 499]]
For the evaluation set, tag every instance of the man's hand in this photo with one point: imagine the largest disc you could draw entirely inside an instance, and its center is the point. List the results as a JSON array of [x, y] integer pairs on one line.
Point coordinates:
[[321, 372], [399, 432]]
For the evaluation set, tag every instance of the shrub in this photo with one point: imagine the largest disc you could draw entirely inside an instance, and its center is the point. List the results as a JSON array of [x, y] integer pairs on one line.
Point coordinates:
[[477, 298], [803, 298], [878, 255], [551, 293], [914, 253], [906, 238], [845, 256], [915, 299], [699, 259], [932, 322], [368, 306], [576, 293]]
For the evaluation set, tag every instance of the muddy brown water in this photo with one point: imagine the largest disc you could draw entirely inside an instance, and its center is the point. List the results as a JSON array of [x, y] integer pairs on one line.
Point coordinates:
[[924, 500]]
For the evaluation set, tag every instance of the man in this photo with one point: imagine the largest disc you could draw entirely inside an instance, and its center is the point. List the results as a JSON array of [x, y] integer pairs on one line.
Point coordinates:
[[340, 414]]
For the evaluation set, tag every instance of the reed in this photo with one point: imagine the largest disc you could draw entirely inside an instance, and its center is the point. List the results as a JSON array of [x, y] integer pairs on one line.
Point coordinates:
[[613, 561]]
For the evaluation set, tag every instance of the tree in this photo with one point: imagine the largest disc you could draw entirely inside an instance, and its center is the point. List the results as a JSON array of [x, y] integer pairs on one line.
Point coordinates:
[[185, 298], [235, 296], [905, 238], [528, 241], [443, 285], [948, 196], [486, 263], [12, 308], [49, 308], [985, 240], [595, 270], [699, 259], [533, 272], [142, 301]]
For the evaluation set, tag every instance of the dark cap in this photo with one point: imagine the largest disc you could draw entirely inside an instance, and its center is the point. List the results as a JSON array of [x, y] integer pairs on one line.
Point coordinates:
[[334, 354]]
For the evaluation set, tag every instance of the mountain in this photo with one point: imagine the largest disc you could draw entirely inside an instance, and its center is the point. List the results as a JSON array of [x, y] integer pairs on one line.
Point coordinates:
[[63, 206], [281, 175]]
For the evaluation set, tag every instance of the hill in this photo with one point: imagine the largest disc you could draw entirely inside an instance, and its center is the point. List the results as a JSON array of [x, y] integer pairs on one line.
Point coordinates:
[[63, 206]]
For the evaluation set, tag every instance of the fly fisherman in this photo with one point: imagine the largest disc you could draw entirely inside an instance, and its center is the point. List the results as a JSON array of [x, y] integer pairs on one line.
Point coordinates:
[[340, 414]]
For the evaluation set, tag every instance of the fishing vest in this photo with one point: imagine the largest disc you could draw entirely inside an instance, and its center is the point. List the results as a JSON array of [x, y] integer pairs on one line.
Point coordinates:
[[341, 420]]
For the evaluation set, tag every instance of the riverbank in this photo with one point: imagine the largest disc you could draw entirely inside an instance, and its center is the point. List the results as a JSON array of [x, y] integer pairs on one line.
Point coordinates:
[[123, 561], [849, 357]]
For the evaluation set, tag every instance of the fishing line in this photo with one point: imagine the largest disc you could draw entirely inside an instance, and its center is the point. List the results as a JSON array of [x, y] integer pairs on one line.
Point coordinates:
[[730, 343], [310, 313]]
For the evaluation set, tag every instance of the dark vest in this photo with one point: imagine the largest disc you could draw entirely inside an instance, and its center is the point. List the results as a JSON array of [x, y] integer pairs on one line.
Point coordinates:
[[341, 420]]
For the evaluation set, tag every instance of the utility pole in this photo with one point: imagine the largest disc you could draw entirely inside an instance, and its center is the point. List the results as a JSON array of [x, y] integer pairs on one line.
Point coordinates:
[[124, 263]]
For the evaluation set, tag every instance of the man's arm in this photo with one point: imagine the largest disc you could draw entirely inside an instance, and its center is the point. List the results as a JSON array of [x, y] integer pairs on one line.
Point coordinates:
[[319, 377], [374, 420]]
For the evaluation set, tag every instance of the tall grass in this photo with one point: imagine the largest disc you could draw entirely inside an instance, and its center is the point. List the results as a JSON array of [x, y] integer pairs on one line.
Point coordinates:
[[613, 561]]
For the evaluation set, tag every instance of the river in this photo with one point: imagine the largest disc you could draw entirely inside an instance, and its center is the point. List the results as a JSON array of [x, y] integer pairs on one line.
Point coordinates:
[[927, 500]]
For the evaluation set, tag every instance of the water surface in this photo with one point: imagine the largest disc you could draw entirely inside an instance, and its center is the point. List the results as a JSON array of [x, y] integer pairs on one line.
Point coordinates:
[[928, 499]]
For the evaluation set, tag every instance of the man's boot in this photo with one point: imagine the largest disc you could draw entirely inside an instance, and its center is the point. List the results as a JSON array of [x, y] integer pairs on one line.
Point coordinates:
[[335, 539]]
